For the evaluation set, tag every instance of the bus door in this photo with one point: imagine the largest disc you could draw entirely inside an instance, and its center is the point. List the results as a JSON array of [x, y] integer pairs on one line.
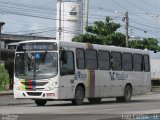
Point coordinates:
[[67, 70]]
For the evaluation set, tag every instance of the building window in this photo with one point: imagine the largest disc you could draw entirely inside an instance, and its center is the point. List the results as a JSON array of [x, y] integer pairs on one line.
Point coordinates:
[[91, 59], [103, 60], [127, 62]]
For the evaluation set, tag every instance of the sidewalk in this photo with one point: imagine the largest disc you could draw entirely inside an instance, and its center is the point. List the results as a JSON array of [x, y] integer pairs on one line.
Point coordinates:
[[155, 89], [7, 92]]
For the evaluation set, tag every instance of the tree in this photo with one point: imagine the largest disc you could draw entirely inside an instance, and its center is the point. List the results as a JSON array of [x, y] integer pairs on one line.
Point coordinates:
[[105, 33], [102, 33], [9, 66], [146, 43], [4, 77]]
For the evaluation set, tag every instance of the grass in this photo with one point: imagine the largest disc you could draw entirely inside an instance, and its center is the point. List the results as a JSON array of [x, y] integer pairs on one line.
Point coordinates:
[[1, 88]]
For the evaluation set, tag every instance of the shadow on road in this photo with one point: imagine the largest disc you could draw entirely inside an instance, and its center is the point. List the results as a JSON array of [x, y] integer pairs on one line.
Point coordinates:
[[104, 103]]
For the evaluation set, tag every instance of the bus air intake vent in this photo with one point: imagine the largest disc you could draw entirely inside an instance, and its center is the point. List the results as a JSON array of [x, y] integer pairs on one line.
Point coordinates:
[[34, 93]]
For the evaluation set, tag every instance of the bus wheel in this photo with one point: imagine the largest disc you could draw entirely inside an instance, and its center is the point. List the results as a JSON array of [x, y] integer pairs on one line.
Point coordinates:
[[127, 95], [79, 96], [94, 100], [41, 102]]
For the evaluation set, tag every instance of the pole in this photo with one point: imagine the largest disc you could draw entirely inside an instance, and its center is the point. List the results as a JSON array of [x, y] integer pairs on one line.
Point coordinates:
[[85, 24], [156, 25], [127, 24], [1, 24], [60, 20]]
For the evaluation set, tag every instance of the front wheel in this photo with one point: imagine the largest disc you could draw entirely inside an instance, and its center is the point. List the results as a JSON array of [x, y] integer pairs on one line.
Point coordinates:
[[127, 95], [41, 102], [79, 96]]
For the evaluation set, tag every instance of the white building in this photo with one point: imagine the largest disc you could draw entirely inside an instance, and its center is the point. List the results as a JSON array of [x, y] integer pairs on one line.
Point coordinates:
[[69, 19]]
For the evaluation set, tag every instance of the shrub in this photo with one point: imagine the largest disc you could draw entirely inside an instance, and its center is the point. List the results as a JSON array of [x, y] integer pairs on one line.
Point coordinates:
[[9, 66], [4, 77]]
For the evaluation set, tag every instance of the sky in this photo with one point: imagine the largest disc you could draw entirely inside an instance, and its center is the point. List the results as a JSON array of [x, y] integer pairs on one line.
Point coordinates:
[[38, 17]]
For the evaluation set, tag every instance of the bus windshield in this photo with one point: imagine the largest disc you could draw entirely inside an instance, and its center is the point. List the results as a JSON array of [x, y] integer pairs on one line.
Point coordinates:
[[36, 65]]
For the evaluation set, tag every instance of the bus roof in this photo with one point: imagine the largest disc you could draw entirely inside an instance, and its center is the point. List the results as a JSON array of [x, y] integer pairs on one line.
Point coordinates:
[[71, 44]]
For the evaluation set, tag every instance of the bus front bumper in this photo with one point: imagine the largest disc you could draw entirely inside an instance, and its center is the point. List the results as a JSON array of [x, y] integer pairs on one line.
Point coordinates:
[[36, 94]]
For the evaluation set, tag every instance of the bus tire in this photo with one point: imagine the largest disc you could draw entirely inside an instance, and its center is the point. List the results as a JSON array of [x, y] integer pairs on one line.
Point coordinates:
[[127, 95], [79, 96], [41, 102], [94, 100]]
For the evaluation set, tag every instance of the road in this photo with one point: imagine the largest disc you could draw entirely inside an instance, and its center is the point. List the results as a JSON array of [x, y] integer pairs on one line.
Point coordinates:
[[108, 109]]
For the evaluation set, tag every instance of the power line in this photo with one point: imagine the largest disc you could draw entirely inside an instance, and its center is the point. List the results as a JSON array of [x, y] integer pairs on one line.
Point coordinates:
[[26, 31], [119, 5], [143, 24], [133, 4], [27, 6], [146, 3]]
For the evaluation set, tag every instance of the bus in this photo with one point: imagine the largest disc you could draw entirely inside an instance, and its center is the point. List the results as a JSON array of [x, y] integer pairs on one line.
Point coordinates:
[[48, 70]]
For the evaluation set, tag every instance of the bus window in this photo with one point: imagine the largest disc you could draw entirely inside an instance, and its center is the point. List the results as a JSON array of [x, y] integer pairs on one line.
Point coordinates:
[[137, 62], [146, 63], [91, 59], [127, 62], [39, 65], [80, 58], [67, 67], [103, 60], [116, 61]]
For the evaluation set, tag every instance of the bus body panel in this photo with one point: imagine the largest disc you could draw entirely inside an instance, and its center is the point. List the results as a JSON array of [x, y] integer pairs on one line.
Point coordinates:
[[97, 83]]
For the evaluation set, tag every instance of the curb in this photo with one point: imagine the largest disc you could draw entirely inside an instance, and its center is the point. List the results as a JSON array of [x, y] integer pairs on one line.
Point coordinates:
[[155, 89], [6, 93]]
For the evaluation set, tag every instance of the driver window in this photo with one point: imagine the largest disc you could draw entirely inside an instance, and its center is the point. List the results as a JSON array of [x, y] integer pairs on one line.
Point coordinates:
[[67, 66]]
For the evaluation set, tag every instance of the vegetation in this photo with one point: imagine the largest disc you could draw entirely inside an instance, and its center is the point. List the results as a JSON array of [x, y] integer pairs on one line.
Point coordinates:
[[8, 57], [4, 77], [102, 33], [105, 33], [9, 66], [146, 43]]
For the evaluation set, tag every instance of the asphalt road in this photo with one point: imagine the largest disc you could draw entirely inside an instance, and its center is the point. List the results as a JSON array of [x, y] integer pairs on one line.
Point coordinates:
[[108, 109]]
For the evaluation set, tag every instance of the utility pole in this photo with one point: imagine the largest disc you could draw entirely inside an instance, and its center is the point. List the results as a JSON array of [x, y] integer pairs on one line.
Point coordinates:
[[85, 21], [60, 20], [1, 24], [126, 27]]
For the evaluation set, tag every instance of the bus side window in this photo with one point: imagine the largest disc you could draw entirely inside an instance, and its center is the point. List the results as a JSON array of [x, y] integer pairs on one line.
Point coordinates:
[[67, 67], [127, 63], [103, 60], [91, 59], [116, 60], [146, 63], [137, 62], [80, 57]]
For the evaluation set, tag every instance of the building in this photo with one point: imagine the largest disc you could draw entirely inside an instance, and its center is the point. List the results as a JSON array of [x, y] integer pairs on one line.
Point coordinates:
[[9, 40]]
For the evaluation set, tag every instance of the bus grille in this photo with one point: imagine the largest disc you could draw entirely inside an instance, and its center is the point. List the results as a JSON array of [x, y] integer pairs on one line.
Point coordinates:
[[34, 93], [37, 83]]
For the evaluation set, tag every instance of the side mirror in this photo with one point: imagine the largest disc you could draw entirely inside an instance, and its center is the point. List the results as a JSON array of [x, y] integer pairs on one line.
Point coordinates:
[[63, 56]]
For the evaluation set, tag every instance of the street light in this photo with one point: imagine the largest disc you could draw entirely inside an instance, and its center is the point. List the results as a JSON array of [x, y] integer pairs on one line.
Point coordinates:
[[1, 24]]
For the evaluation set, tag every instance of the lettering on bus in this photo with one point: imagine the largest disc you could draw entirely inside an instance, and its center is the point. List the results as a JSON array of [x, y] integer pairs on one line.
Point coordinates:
[[80, 76], [118, 76]]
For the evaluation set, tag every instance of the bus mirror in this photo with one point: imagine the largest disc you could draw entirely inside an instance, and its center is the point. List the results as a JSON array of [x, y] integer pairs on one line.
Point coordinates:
[[43, 56], [63, 56]]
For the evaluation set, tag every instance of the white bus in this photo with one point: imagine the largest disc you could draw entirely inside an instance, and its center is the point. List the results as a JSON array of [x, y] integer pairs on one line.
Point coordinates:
[[48, 70]]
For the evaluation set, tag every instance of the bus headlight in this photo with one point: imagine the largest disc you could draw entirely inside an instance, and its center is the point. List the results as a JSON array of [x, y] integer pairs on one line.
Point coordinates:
[[50, 87], [17, 86]]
